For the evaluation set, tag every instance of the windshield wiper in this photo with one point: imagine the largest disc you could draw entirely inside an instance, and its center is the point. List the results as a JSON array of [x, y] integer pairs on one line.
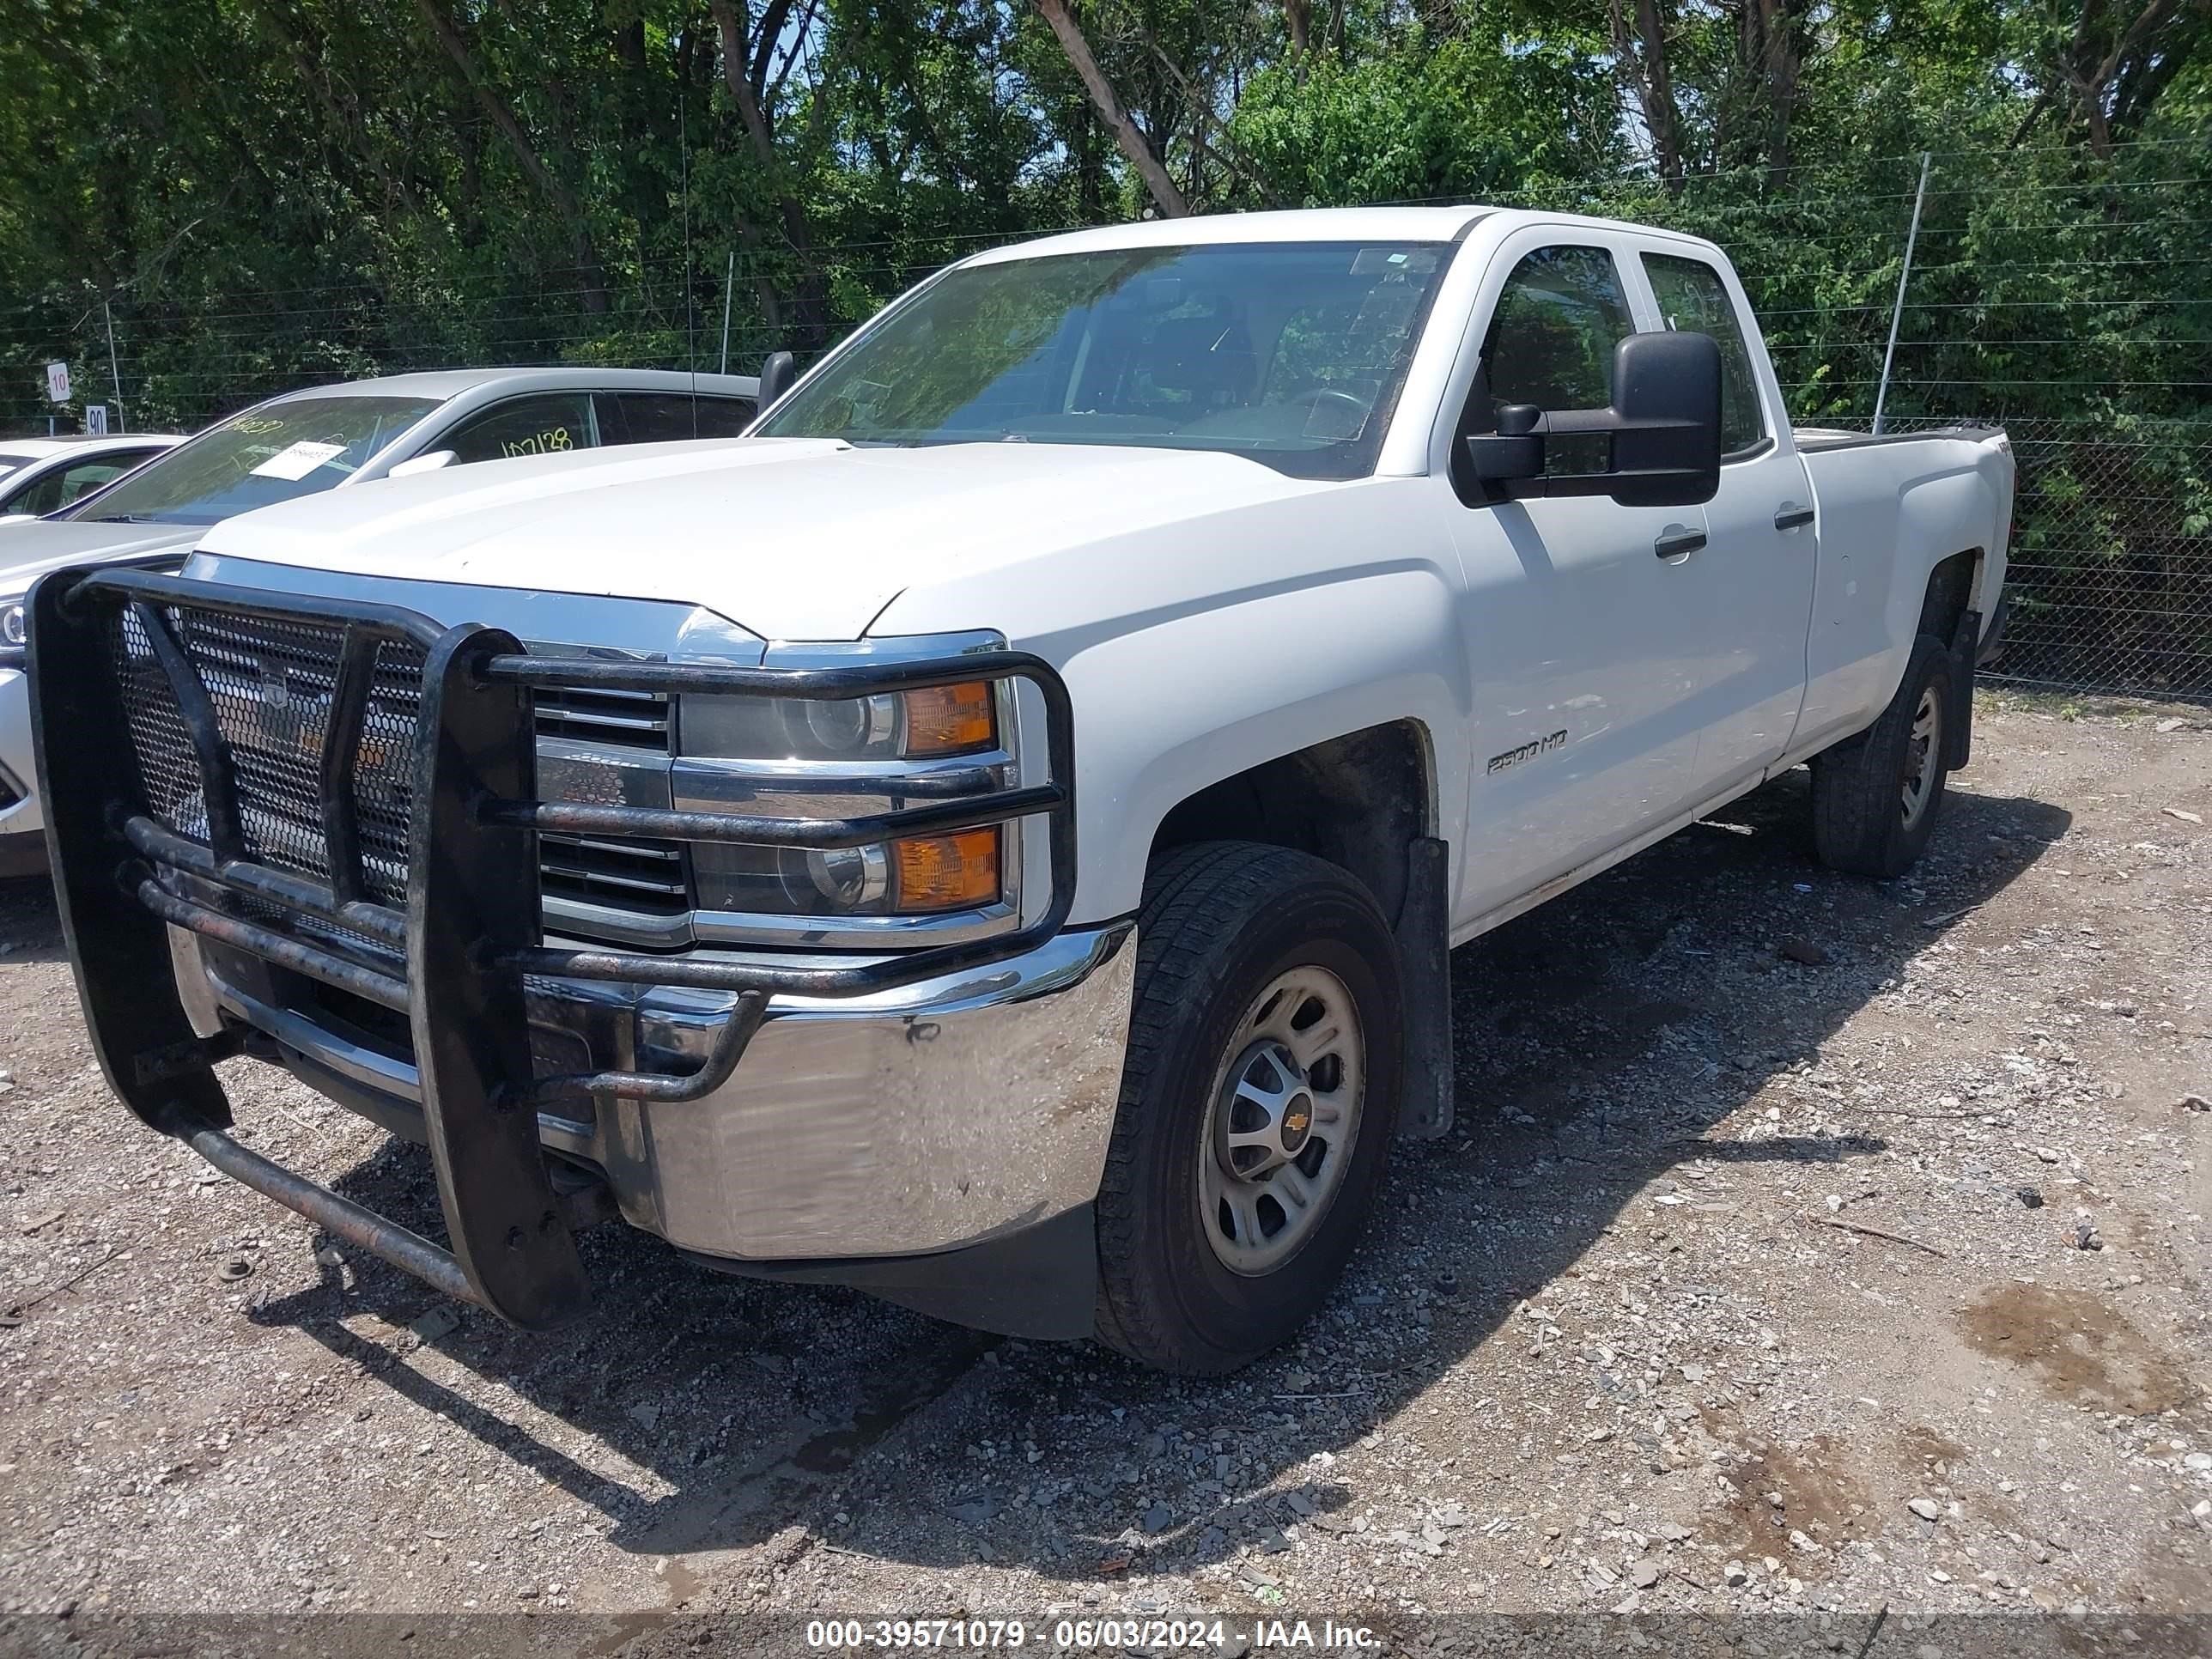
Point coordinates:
[[121, 517]]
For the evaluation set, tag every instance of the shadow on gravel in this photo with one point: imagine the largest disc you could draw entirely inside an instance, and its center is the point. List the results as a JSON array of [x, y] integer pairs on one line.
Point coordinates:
[[1597, 1039], [30, 928], [725, 1405]]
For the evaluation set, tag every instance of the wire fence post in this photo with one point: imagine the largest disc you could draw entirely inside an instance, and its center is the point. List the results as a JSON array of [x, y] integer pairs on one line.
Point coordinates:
[[1897, 311], [729, 280], [113, 373]]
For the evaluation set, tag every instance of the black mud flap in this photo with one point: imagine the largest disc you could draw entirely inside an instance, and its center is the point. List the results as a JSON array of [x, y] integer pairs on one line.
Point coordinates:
[[1423, 934], [1959, 718], [1993, 642]]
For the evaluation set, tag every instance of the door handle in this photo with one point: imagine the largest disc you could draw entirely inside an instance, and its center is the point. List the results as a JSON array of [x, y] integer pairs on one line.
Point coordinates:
[[1678, 544], [1790, 515]]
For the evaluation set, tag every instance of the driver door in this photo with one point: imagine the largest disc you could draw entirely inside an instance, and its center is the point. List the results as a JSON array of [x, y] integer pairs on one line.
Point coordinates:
[[1580, 630]]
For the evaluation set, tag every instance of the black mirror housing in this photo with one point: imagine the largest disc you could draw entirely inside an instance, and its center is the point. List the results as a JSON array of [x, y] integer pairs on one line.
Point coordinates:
[[1664, 425], [777, 375], [1666, 400], [1513, 451]]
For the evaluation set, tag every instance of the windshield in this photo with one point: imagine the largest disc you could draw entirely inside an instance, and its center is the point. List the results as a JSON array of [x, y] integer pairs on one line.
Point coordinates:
[[268, 454], [1291, 353]]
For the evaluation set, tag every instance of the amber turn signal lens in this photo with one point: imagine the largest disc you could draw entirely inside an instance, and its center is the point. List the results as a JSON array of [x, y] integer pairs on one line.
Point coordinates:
[[950, 720], [947, 872]]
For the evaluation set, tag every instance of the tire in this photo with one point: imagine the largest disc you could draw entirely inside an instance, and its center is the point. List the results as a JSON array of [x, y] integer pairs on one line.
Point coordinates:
[[1875, 799], [1223, 926]]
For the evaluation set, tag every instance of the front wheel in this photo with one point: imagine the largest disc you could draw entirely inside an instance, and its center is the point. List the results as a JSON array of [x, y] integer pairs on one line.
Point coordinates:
[[1875, 798], [1259, 1097]]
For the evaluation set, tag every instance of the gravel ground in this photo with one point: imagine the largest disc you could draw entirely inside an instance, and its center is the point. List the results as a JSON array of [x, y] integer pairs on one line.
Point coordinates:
[[1805, 1246]]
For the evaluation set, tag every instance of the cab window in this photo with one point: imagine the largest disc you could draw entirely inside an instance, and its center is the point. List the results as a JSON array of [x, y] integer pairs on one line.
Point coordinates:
[[1691, 297], [56, 489], [546, 424], [725, 418], [1551, 341], [655, 417]]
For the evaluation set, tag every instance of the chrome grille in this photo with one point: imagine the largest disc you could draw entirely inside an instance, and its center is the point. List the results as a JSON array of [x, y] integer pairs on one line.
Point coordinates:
[[618, 877], [643, 877], [630, 719]]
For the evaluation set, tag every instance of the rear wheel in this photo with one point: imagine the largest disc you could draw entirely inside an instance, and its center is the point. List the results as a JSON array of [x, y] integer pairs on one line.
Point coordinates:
[[1258, 1100], [1875, 798]]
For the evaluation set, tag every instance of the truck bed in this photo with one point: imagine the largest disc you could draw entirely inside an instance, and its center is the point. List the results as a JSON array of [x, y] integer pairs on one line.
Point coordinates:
[[1815, 440], [1891, 508]]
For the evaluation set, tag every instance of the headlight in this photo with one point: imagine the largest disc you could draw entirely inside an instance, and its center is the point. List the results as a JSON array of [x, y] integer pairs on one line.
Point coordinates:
[[925, 876], [850, 757], [945, 720], [15, 625]]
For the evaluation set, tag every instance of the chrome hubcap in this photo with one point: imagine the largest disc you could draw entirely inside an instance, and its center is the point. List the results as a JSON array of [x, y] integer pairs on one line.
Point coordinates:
[[1282, 1117], [1270, 1115], [1922, 762]]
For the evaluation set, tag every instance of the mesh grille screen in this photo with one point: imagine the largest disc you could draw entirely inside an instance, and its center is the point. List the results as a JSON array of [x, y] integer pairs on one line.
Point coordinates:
[[271, 685]]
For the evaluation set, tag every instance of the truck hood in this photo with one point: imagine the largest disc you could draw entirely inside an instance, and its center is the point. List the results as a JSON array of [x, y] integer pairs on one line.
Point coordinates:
[[27, 551], [793, 539]]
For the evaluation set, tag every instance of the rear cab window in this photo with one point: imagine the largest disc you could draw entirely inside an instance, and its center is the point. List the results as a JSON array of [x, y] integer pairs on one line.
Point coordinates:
[[658, 417], [1691, 297]]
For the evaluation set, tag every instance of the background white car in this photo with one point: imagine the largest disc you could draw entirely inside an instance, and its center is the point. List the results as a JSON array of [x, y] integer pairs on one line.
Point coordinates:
[[303, 443], [39, 475]]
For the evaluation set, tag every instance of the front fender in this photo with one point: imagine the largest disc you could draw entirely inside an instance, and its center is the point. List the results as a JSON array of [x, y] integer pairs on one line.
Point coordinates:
[[1197, 650], [1165, 710]]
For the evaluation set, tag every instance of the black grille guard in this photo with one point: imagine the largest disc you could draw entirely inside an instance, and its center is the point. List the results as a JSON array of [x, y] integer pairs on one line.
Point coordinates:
[[453, 961]]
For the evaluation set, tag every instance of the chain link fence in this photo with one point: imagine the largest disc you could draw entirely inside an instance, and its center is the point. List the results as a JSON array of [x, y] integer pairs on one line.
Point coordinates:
[[2082, 333], [2110, 575], [2111, 568]]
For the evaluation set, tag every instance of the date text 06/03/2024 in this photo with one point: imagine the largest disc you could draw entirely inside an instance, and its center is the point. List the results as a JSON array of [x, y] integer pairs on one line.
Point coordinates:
[[1076, 1635]]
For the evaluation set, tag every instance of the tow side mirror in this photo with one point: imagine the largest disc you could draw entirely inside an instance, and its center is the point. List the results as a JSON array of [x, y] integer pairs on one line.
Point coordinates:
[[1664, 427], [413, 464], [776, 375]]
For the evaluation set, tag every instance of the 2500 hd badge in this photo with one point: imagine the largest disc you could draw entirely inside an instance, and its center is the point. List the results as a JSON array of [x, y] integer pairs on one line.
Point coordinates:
[[1529, 750]]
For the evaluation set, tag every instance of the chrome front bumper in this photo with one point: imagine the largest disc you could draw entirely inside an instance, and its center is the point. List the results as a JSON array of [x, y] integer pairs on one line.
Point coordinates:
[[909, 1121]]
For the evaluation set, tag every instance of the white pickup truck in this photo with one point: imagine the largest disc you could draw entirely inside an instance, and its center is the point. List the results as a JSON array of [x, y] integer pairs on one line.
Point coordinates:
[[994, 835]]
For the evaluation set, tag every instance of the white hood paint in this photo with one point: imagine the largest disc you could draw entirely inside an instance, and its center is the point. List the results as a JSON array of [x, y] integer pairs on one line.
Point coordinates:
[[792, 538]]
